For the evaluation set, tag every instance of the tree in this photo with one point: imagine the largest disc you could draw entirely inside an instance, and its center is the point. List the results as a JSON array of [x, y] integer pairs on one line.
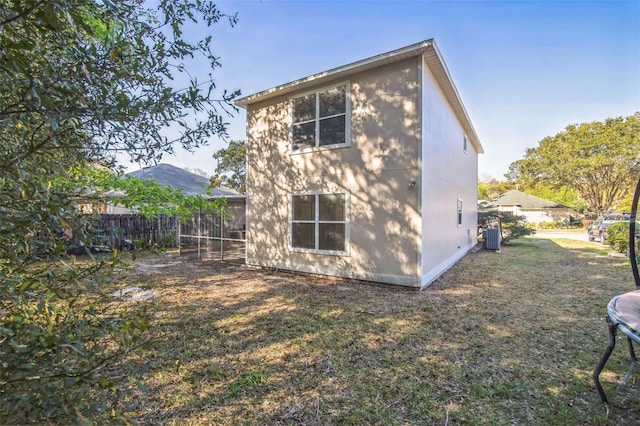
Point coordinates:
[[80, 81], [511, 226], [231, 170], [492, 188], [197, 171], [598, 160]]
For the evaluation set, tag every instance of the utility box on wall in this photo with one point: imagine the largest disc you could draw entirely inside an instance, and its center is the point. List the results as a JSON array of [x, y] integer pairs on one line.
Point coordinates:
[[491, 238]]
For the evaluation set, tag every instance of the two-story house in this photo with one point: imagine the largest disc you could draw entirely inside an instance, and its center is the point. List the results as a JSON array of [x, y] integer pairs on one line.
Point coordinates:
[[366, 171]]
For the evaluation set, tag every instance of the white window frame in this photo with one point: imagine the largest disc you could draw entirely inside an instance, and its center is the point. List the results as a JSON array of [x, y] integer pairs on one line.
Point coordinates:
[[347, 119], [317, 222], [459, 212], [465, 144]]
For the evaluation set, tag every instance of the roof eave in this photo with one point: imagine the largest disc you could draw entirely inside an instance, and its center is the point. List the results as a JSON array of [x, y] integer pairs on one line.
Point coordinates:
[[433, 58], [336, 73]]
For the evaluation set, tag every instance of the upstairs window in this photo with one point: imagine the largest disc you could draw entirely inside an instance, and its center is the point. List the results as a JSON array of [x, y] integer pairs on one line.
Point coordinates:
[[459, 212], [464, 144], [319, 119], [319, 222]]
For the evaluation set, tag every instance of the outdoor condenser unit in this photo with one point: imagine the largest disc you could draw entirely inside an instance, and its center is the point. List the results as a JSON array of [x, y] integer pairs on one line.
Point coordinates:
[[491, 238]]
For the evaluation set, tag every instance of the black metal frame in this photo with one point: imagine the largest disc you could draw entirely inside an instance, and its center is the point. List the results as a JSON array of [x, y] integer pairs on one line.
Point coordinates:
[[613, 323], [613, 329]]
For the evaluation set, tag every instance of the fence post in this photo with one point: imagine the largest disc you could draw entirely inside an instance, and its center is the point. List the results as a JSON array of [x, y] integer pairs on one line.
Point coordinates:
[[199, 229], [221, 238]]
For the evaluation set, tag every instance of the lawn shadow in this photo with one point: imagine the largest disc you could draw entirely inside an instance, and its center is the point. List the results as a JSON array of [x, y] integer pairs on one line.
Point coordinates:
[[508, 337]]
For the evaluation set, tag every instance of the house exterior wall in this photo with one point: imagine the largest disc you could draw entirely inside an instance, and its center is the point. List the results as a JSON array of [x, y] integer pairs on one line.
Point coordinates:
[[449, 174], [376, 170], [546, 215]]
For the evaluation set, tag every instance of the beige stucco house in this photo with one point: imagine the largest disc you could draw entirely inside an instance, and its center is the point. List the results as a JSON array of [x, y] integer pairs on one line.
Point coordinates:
[[366, 171]]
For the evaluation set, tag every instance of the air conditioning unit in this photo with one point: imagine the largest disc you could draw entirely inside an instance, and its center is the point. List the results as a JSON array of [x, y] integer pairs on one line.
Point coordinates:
[[491, 238]]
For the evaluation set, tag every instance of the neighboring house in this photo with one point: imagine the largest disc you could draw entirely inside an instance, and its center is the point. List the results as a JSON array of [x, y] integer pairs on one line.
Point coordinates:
[[190, 183], [535, 209], [366, 171]]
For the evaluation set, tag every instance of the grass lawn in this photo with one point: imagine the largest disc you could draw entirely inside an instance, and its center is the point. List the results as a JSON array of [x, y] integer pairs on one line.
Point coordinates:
[[502, 338]]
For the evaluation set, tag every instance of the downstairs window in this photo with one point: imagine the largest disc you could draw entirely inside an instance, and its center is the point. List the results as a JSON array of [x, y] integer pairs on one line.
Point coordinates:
[[319, 222]]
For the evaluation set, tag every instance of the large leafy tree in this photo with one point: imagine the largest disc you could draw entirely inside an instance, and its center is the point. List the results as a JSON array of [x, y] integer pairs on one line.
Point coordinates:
[[600, 161], [563, 194], [231, 170], [81, 81], [491, 188]]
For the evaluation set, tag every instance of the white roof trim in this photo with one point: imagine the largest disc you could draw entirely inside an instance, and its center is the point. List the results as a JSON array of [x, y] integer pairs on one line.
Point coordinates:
[[427, 49], [433, 59]]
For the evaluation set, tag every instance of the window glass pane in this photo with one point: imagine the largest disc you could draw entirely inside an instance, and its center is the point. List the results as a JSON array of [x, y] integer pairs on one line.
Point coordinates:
[[304, 207], [303, 235], [333, 102], [331, 207], [304, 108], [332, 236], [332, 131], [304, 135]]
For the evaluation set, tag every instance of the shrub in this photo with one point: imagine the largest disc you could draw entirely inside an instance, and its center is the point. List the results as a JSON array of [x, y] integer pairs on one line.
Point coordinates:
[[618, 236], [511, 226], [551, 225]]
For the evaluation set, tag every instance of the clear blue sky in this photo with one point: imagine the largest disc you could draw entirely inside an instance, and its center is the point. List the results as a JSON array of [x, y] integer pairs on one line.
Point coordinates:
[[524, 69]]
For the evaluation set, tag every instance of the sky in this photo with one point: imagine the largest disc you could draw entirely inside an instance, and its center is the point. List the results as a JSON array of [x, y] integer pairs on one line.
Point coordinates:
[[524, 69]]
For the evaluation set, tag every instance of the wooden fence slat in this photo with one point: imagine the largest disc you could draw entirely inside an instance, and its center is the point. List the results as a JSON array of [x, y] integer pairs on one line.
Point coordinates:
[[128, 230]]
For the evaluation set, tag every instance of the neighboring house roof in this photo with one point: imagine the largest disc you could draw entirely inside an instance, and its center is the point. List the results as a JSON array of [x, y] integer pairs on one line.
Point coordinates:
[[190, 183], [519, 198], [427, 48]]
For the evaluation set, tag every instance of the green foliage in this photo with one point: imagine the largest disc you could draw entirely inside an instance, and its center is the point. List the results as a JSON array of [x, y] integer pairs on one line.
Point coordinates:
[[56, 353], [597, 160], [618, 236], [147, 197], [558, 224], [492, 188], [80, 81], [96, 74], [511, 226], [231, 170], [563, 195]]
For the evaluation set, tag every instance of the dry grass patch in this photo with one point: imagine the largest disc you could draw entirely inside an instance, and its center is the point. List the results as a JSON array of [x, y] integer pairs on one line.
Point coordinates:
[[501, 338]]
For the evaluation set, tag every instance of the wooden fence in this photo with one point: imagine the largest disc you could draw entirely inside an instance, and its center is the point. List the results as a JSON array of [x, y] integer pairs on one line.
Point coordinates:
[[119, 231], [205, 233]]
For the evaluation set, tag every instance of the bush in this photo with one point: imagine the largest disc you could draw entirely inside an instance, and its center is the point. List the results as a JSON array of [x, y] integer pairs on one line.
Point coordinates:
[[559, 224], [618, 236], [551, 225], [511, 226]]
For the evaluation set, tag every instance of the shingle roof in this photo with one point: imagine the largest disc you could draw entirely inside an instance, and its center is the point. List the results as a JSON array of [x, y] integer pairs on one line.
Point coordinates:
[[519, 198], [190, 183]]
